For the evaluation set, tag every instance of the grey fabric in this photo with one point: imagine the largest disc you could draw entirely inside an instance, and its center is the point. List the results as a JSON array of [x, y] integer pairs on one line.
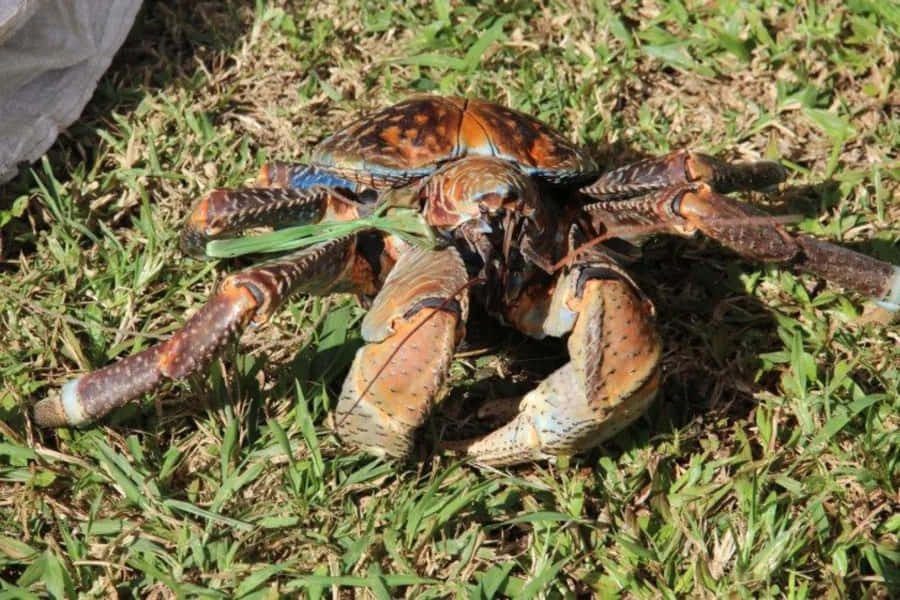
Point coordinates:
[[52, 53]]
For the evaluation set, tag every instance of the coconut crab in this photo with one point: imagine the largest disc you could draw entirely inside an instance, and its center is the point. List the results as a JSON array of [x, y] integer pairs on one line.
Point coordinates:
[[513, 206]]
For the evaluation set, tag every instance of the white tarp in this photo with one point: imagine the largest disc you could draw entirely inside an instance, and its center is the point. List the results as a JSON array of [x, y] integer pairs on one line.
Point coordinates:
[[52, 53]]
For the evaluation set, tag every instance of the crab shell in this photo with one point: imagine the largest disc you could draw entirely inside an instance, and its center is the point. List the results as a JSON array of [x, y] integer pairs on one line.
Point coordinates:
[[410, 140]]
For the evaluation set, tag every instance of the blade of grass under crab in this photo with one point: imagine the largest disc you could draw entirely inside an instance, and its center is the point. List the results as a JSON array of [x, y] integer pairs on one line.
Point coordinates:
[[404, 223]]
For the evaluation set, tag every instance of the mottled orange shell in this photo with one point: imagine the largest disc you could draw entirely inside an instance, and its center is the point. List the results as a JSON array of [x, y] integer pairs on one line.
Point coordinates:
[[411, 139]]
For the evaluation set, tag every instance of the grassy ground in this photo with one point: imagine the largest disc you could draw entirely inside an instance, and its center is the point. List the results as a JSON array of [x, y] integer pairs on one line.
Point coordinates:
[[769, 467]]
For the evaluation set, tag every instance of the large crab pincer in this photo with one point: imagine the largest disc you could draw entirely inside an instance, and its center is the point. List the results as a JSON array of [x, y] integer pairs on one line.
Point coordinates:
[[514, 206]]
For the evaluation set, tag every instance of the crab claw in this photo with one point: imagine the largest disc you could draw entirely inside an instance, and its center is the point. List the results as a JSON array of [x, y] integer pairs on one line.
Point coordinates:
[[411, 329], [610, 380]]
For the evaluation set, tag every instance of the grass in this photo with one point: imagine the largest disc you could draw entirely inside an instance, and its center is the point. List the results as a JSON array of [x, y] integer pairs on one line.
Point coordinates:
[[768, 468]]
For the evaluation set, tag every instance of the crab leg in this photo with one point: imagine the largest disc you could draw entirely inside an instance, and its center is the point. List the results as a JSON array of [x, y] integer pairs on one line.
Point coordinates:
[[681, 167], [610, 380], [249, 296], [226, 211], [300, 176], [686, 209], [412, 329]]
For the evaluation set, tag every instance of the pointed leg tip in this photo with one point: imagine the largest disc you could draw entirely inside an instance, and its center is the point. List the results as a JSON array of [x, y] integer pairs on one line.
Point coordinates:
[[62, 408], [891, 301], [49, 413], [891, 307]]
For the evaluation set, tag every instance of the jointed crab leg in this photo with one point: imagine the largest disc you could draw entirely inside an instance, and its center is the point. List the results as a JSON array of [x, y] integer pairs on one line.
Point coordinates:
[[249, 296], [300, 176], [686, 209], [681, 167], [412, 329], [611, 378], [225, 211]]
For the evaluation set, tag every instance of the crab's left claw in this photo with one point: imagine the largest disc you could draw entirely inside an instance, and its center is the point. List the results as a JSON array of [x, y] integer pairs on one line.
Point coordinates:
[[412, 329], [611, 378]]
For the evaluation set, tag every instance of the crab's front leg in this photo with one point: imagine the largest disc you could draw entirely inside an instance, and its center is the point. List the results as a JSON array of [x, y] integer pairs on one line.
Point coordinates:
[[691, 208], [683, 166], [249, 296], [411, 331], [225, 212], [611, 378]]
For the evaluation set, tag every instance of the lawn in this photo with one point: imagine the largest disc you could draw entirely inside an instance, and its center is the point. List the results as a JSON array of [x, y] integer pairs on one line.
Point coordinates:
[[769, 466]]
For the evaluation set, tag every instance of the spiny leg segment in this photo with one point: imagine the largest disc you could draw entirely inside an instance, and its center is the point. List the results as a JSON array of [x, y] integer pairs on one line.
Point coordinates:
[[225, 212], [686, 209], [683, 166], [249, 296]]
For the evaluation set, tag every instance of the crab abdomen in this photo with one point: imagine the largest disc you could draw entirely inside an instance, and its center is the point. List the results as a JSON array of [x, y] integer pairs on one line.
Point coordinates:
[[409, 140]]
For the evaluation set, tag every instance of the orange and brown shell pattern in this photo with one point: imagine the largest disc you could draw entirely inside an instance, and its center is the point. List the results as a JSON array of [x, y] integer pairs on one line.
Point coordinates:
[[410, 140]]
